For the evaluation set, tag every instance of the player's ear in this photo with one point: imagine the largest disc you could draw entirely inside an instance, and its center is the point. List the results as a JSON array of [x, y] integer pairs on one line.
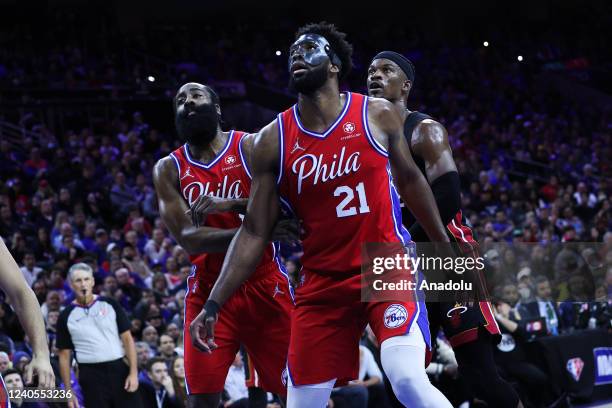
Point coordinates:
[[407, 86], [218, 109], [334, 68]]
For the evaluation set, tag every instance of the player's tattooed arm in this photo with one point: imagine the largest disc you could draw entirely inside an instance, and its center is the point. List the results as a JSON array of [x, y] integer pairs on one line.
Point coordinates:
[[410, 182], [173, 210]]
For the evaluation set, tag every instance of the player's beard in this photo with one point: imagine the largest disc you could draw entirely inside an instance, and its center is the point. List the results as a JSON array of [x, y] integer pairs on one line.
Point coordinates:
[[309, 82], [198, 129]]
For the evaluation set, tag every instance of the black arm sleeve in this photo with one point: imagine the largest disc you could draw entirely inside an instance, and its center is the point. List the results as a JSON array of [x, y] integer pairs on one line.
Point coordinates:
[[447, 192], [63, 339]]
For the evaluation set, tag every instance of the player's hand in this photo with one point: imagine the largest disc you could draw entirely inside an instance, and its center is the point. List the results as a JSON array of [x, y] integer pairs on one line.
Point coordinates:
[[131, 382], [286, 231], [205, 205], [41, 367], [202, 328]]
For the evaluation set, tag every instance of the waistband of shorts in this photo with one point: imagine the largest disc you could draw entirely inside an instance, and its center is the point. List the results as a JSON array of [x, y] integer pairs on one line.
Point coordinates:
[[103, 363], [266, 271]]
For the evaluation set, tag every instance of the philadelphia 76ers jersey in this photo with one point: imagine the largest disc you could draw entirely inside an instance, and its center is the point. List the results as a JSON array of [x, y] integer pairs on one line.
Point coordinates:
[[339, 184], [226, 176]]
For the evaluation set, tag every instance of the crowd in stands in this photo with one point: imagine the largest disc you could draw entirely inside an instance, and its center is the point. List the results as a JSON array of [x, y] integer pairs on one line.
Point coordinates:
[[86, 195]]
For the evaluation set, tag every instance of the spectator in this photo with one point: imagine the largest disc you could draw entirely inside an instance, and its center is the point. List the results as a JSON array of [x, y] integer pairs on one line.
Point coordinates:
[[173, 331], [157, 248], [135, 264], [40, 290], [368, 384], [20, 360], [177, 373], [53, 302], [43, 250], [122, 196], [543, 306], [160, 391], [66, 230], [35, 166], [29, 269], [143, 354], [5, 362], [14, 381], [235, 387], [126, 283], [513, 361], [166, 348], [150, 336]]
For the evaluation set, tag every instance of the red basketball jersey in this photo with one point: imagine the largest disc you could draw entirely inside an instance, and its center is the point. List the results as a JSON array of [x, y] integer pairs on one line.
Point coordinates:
[[226, 176], [339, 184]]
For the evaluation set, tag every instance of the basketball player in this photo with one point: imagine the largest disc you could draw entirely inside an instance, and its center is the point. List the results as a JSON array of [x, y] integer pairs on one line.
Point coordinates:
[[324, 158], [209, 172], [27, 309], [472, 331]]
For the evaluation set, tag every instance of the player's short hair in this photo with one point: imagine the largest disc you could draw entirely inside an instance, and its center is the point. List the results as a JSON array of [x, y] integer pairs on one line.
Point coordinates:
[[337, 39], [214, 97]]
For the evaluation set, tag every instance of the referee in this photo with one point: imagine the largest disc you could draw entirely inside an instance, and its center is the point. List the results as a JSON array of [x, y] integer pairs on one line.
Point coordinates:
[[98, 331]]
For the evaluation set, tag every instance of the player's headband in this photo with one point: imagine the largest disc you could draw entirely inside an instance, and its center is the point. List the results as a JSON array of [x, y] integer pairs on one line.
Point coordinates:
[[317, 52], [401, 61]]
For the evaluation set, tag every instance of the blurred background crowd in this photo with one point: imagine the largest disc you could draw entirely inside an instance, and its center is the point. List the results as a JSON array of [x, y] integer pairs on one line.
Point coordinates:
[[86, 112]]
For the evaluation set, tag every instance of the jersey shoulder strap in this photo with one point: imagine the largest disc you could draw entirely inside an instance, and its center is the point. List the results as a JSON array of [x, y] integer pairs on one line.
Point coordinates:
[[412, 121]]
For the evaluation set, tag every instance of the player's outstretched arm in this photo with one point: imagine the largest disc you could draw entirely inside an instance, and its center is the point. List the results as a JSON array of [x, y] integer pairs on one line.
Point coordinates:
[[249, 243], [174, 212], [26, 307], [430, 142], [408, 179]]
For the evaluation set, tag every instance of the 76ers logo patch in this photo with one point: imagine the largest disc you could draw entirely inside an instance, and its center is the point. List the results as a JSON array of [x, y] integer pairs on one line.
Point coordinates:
[[231, 159], [348, 127], [395, 316], [574, 367]]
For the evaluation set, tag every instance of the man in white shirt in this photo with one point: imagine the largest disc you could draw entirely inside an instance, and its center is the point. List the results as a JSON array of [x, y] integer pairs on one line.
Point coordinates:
[[29, 269], [235, 385], [157, 249], [367, 389]]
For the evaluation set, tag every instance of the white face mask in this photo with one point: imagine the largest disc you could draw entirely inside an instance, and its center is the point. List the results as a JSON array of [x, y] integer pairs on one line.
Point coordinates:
[[525, 293]]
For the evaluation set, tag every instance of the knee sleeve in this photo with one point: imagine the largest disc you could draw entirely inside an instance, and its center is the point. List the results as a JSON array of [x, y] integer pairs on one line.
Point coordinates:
[[310, 395], [403, 359]]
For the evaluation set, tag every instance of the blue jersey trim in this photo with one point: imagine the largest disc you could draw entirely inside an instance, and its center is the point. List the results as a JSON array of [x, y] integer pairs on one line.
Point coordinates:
[[373, 142], [396, 211], [330, 129], [281, 146], [244, 163], [228, 142]]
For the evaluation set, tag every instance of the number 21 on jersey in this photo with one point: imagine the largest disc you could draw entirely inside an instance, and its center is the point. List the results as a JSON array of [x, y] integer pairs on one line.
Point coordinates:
[[344, 208]]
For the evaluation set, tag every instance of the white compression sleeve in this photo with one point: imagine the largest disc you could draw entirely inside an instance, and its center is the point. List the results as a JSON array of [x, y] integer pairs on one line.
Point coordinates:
[[403, 359], [310, 395]]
